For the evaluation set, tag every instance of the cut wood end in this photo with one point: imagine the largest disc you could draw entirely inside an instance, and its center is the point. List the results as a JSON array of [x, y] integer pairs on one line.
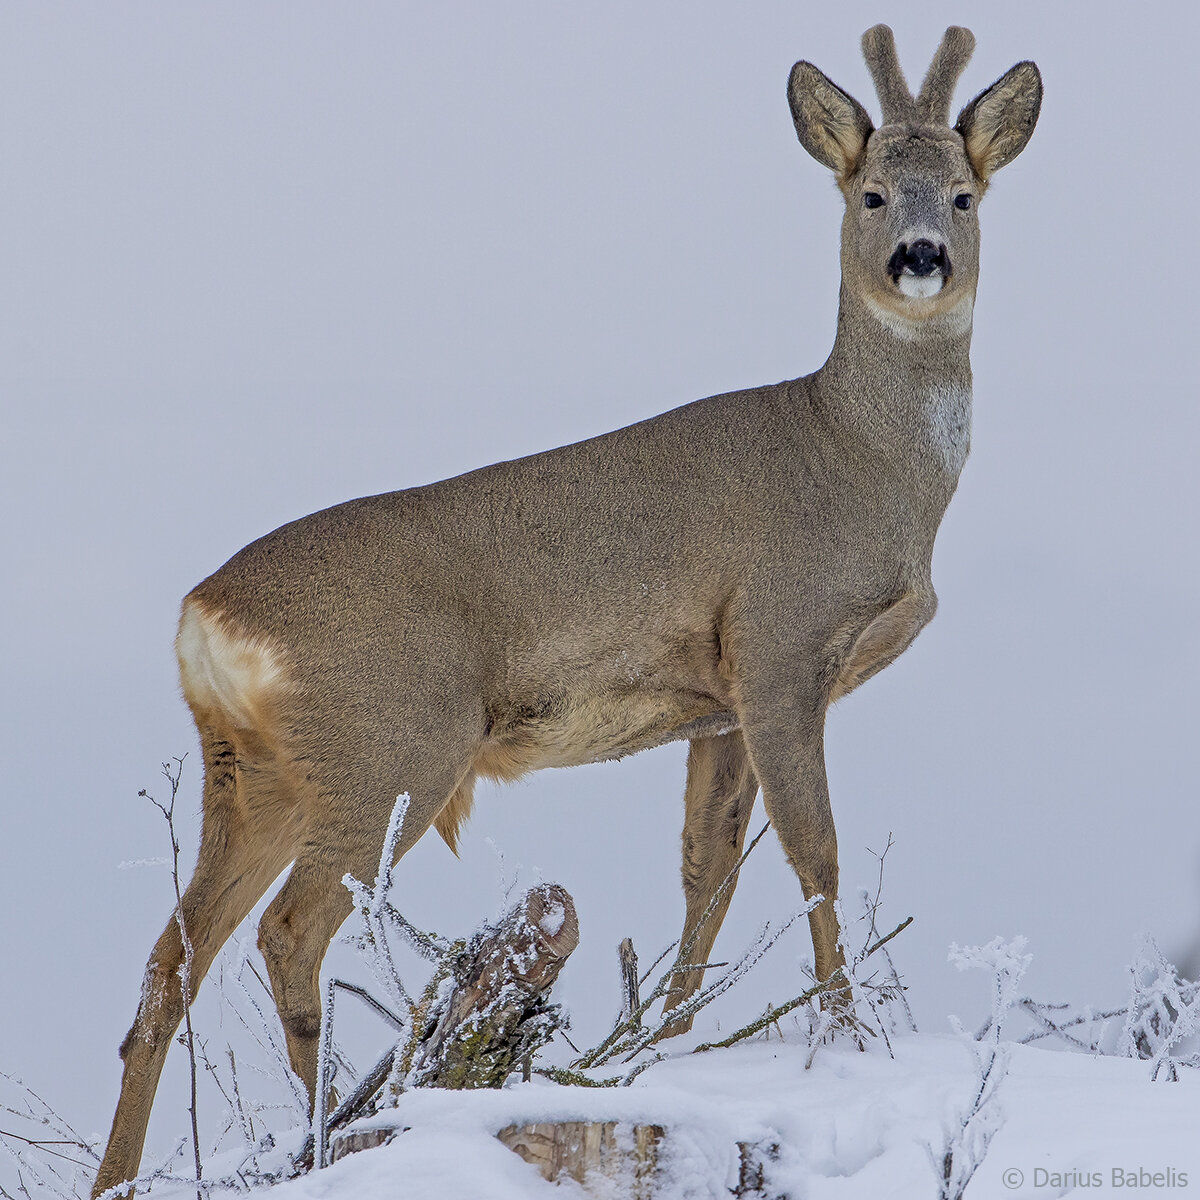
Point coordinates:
[[577, 1149], [550, 911]]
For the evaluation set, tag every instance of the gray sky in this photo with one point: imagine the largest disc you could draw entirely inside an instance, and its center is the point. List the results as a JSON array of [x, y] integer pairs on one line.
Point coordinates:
[[258, 259]]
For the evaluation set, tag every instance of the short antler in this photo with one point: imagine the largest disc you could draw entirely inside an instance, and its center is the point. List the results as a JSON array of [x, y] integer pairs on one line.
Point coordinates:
[[879, 49], [933, 104]]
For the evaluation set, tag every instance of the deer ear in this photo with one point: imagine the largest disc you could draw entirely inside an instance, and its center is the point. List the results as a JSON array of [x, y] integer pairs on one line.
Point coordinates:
[[996, 125], [832, 126]]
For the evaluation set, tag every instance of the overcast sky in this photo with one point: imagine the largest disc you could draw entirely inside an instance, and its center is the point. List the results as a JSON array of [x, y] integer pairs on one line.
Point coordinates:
[[259, 258]]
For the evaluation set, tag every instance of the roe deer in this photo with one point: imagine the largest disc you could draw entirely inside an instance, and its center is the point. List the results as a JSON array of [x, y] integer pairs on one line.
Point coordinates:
[[720, 573]]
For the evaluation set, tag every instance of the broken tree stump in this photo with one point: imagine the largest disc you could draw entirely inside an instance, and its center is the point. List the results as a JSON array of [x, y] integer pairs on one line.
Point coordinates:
[[582, 1148], [621, 1155], [498, 1011], [605, 1158], [485, 1012], [355, 1140]]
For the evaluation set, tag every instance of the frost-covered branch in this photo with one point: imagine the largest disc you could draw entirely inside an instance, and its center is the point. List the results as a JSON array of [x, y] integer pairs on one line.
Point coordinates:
[[482, 1012], [1163, 1014], [972, 1128], [774, 1012], [628, 1036], [54, 1164]]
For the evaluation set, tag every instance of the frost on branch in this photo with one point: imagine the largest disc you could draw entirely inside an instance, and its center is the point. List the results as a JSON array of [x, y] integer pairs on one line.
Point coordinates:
[[632, 1033], [483, 1013], [870, 991], [492, 1013], [629, 1035], [970, 1131], [1163, 1017]]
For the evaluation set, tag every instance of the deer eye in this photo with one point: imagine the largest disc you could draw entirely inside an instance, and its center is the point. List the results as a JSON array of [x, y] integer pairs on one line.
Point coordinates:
[[873, 200], [963, 200]]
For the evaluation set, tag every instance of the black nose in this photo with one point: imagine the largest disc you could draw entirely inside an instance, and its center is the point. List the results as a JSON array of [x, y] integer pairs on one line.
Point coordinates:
[[921, 258]]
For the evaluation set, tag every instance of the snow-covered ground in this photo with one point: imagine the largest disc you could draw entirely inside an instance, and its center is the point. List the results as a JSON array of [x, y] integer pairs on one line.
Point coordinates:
[[851, 1125], [1017, 1099], [823, 1118]]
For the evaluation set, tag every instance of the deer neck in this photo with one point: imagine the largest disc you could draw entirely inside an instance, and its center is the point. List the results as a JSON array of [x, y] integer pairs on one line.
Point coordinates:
[[899, 392]]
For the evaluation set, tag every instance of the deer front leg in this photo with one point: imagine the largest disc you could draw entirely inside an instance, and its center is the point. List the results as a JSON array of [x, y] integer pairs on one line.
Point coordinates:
[[718, 801], [783, 722]]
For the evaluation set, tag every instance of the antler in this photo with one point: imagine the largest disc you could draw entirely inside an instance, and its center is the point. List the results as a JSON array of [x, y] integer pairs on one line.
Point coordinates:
[[879, 49], [933, 104]]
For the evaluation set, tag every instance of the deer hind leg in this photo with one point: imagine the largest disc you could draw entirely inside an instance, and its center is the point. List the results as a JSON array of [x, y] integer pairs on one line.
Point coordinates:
[[721, 787], [345, 834], [242, 850]]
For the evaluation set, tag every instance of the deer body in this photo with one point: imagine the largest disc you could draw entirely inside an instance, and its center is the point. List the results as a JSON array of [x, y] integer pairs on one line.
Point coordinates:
[[720, 573], [582, 640]]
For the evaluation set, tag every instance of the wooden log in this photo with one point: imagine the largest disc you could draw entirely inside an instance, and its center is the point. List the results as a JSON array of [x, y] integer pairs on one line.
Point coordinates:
[[596, 1154], [753, 1159], [355, 1140], [580, 1149], [498, 1011], [630, 998]]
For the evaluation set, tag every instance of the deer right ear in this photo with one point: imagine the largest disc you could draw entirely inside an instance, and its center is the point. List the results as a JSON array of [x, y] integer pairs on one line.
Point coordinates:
[[832, 126], [998, 123]]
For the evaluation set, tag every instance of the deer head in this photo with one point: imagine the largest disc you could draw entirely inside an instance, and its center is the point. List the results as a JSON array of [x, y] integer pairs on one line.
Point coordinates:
[[910, 236]]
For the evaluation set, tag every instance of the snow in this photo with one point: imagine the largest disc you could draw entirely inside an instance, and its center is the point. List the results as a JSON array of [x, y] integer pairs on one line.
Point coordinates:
[[822, 1120], [552, 919], [856, 1124]]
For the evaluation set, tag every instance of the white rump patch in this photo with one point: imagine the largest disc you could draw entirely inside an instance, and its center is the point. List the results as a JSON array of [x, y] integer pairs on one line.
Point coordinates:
[[948, 420], [921, 287], [223, 670]]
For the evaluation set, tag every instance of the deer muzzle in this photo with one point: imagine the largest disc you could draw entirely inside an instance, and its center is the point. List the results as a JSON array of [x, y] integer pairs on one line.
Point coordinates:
[[919, 269]]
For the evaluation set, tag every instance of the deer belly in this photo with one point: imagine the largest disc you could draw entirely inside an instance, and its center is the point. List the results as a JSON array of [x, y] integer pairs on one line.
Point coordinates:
[[568, 731]]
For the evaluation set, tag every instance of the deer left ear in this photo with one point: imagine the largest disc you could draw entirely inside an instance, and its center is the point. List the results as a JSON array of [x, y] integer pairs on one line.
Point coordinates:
[[998, 123], [831, 125]]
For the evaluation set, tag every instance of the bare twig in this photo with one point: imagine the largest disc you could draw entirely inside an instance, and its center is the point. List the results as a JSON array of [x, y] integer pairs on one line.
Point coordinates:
[[835, 981], [237, 1113], [173, 776], [872, 909], [627, 1031], [265, 1035], [1058, 1028], [765, 940]]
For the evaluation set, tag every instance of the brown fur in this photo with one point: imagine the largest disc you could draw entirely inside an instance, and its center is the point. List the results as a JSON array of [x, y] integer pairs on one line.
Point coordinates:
[[457, 812], [720, 573]]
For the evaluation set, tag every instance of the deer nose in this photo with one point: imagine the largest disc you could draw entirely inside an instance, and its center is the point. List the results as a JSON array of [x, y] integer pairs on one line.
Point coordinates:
[[921, 258]]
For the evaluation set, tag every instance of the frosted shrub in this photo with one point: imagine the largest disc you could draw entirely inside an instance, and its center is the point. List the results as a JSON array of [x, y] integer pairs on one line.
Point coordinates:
[[970, 1131], [1162, 1020]]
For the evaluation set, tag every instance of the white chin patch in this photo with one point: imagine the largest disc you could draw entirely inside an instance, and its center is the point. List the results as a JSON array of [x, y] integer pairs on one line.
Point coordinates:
[[920, 287]]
